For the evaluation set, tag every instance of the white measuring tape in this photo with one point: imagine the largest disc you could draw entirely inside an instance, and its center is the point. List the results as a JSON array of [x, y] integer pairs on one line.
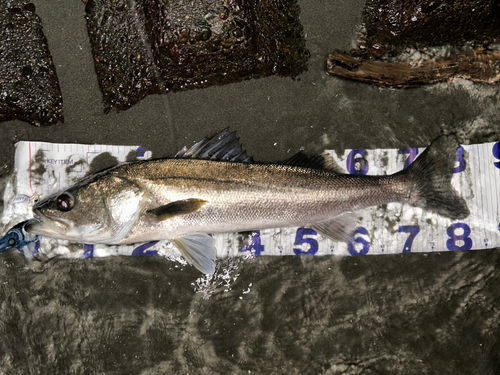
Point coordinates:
[[43, 169]]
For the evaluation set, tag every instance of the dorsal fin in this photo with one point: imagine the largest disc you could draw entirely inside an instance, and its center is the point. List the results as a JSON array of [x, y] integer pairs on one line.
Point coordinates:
[[224, 146], [323, 162]]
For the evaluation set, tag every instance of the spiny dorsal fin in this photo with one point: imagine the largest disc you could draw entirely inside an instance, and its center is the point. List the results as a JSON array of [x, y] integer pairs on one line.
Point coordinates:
[[224, 146], [323, 161], [177, 208]]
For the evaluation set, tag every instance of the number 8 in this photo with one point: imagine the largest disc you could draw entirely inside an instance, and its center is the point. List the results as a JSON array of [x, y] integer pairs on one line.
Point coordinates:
[[451, 244]]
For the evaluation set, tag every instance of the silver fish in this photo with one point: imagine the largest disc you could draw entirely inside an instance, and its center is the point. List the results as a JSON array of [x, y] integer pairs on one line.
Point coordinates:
[[215, 187]]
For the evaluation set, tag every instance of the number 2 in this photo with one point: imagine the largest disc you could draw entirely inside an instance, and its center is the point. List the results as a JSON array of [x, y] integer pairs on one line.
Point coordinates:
[[141, 250]]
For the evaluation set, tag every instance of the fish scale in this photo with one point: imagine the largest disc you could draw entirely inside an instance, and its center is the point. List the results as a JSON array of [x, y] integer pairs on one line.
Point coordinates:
[[242, 196]]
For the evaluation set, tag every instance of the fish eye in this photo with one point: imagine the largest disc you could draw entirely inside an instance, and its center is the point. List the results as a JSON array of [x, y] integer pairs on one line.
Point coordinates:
[[65, 202]]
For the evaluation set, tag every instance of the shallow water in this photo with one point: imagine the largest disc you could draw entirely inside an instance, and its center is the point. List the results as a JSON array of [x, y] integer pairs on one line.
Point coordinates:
[[411, 314]]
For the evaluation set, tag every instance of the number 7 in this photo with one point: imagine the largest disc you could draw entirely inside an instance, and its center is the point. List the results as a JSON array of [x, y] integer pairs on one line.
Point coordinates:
[[413, 230]]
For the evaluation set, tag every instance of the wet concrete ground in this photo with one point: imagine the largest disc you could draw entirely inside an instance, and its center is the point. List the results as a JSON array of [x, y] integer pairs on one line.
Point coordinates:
[[404, 314]]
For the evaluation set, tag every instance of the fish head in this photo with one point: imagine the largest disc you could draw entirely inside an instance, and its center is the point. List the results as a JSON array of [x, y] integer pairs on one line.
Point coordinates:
[[101, 209]]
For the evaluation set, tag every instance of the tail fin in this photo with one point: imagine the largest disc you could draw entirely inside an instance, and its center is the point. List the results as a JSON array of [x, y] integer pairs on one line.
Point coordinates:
[[432, 172]]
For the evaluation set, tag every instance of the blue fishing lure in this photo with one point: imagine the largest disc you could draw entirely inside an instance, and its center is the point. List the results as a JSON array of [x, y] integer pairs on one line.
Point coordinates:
[[16, 237]]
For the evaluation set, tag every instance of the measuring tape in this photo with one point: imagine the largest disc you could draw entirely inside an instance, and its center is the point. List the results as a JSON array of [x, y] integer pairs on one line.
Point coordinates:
[[44, 169]]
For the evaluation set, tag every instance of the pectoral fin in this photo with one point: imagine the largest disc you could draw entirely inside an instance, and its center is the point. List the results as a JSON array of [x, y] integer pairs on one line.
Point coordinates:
[[340, 228], [198, 249], [177, 208]]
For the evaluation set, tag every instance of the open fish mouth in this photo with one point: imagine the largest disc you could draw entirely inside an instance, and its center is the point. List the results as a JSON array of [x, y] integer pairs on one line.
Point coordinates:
[[48, 225]]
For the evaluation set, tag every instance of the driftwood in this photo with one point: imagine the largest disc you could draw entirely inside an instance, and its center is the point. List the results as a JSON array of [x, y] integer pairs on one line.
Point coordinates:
[[478, 65]]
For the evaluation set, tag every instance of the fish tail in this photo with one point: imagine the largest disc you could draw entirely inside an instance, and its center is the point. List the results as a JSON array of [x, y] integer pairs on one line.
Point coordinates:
[[431, 175]]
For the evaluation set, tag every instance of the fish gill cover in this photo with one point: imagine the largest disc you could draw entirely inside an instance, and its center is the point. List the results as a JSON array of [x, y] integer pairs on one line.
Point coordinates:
[[392, 28], [29, 88], [144, 47]]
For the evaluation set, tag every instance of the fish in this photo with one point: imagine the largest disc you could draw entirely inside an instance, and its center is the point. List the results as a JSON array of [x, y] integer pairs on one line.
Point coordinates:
[[215, 187]]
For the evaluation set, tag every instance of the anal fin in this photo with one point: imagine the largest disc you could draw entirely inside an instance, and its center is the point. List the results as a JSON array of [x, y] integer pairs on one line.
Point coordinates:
[[198, 249], [340, 228]]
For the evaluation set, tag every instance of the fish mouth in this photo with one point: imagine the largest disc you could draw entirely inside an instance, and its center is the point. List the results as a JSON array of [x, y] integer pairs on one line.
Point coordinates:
[[44, 224]]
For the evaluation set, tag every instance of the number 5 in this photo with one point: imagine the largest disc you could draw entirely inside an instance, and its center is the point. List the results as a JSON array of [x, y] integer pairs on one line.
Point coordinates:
[[304, 239]]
